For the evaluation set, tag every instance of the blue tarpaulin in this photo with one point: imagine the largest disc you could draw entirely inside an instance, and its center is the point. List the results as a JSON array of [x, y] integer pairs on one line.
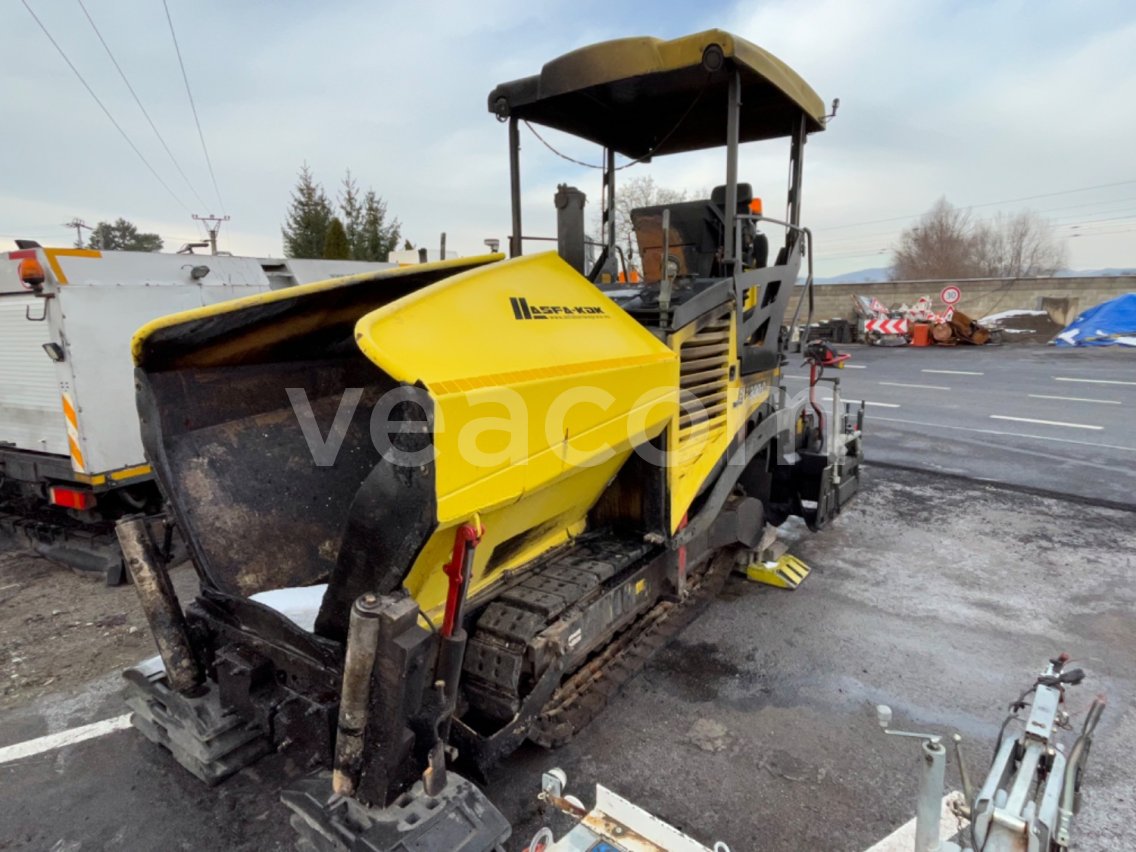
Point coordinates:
[[1111, 323]]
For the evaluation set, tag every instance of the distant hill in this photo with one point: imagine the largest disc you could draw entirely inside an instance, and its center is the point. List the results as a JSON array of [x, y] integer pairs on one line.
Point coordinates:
[[878, 273], [882, 273], [1093, 273]]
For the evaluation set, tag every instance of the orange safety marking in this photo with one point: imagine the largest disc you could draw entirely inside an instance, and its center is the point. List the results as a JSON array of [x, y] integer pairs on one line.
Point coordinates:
[[76, 453], [69, 412], [53, 253]]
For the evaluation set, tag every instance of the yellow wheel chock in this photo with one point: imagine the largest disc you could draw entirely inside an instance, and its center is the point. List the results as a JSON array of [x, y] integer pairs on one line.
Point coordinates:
[[787, 572]]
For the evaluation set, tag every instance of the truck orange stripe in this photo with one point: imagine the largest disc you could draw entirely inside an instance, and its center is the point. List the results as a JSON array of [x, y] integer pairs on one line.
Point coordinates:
[[73, 434], [54, 253], [76, 453], [69, 413]]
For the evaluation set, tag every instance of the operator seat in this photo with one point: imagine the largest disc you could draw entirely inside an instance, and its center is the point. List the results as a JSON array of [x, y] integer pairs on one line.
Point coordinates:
[[755, 245], [697, 235]]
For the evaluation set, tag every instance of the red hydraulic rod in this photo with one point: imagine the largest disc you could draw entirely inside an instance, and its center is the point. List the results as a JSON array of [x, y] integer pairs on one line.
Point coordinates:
[[820, 356], [813, 401], [458, 569]]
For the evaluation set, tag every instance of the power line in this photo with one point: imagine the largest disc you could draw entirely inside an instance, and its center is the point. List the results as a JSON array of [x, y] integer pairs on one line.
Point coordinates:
[[851, 241], [106, 111], [1102, 233], [138, 101], [840, 246], [984, 204], [192, 106], [39, 229], [1111, 203], [1084, 222], [1082, 228], [1054, 194], [850, 256]]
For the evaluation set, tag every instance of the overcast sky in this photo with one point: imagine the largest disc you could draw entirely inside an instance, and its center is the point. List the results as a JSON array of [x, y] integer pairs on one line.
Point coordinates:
[[986, 103]]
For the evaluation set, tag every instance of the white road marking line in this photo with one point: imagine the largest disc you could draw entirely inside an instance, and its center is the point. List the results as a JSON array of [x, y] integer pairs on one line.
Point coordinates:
[[877, 419], [868, 402], [1015, 447], [1092, 381], [903, 838], [854, 367], [1075, 399], [64, 738], [1046, 422], [797, 378], [906, 385], [955, 372]]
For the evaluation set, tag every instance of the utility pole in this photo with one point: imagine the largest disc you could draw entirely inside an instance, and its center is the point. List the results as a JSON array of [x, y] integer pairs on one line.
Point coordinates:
[[213, 226], [78, 224]]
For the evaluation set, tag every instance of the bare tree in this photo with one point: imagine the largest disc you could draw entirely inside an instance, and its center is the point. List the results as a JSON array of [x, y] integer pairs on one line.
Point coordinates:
[[636, 192], [1017, 246], [947, 243], [940, 246]]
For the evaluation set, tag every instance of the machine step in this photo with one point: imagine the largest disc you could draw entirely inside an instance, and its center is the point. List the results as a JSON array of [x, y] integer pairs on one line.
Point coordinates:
[[785, 572]]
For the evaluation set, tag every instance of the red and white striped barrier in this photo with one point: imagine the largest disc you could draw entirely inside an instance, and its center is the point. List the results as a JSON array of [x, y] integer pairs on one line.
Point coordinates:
[[886, 326]]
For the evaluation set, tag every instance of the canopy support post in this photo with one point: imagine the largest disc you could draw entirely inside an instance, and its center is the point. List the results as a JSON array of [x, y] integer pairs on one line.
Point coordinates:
[[609, 200], [515, 186], [733, 122], [796, 166]]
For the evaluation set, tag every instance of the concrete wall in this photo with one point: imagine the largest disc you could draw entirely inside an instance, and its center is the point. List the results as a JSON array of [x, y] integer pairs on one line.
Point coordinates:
[[980, 296]]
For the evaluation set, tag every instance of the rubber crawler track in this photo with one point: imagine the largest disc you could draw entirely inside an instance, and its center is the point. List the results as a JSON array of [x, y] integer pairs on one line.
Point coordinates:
[[584, 694]]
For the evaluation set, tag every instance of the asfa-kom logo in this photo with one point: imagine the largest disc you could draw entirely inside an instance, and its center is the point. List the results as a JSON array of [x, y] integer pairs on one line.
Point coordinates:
[[522, 310]]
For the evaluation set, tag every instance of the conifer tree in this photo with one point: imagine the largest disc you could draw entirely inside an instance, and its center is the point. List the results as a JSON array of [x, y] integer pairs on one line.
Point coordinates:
[[378, 238], [351, 210], [362, 220], [335, 245], [308, 218]]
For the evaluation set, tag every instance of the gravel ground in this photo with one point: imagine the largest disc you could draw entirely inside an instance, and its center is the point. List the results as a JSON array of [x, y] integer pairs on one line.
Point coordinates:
[[59, 630]]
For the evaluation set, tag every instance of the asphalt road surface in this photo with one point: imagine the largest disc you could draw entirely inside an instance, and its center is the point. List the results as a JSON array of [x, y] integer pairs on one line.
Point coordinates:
[[756, 726], [1059, 420]]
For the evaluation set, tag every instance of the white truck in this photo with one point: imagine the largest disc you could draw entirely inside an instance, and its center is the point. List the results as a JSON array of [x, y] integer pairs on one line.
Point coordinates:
[[71, 458]]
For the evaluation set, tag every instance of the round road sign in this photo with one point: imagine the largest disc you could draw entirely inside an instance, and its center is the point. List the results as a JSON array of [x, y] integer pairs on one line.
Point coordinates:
[[951, 295]]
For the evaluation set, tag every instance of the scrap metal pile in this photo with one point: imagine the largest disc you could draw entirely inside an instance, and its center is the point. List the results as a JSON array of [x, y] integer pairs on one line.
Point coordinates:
[[918, 325]]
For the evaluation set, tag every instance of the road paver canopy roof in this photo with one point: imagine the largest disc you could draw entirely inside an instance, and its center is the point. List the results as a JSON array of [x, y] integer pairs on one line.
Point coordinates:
[[644, 96]]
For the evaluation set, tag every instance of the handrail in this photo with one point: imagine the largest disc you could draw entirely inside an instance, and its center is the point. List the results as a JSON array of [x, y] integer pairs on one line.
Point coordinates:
[[666, 282], [808, 234]]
